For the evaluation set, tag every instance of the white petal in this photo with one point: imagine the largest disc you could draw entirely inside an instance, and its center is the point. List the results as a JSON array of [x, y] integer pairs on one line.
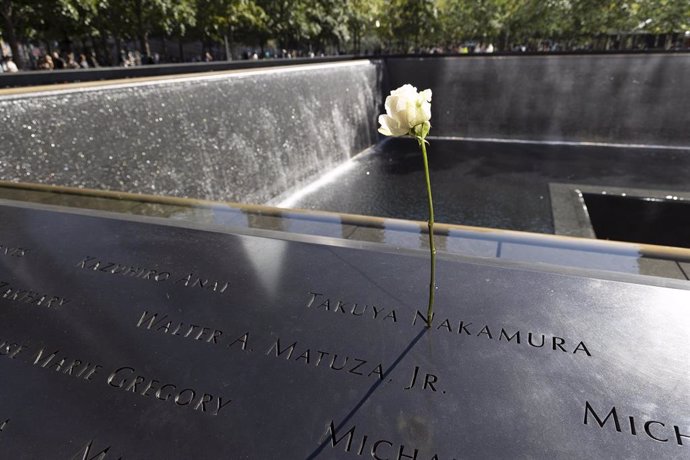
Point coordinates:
[[426, 111], [392, 125], [413, 117], [390, 101], [384, 129], [426, 95]]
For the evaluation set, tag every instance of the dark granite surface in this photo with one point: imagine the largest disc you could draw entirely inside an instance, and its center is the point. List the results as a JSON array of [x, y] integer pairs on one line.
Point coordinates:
[[606, 344], [608, 98], [490, 184]]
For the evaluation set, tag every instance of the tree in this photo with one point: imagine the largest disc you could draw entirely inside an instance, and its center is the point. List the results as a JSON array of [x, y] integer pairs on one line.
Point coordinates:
[[10, 11], [230, 20], [409, 23], [664, 16]]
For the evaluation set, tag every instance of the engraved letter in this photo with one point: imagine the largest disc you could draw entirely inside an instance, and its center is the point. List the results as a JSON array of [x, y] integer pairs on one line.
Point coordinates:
[[221, 404], [82, 264], [421, 315], [509, 338], [402, 455], [375, 448], [47, 360], [313, 298], [85, 454], [559, 344], [245, 338], [678, 435], [649, 433], [529, 340], [279, 352], [121, 383], [334, 442], [588, 409], [581, 347]]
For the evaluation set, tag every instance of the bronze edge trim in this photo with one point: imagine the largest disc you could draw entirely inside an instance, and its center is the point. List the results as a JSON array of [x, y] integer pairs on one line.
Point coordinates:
[[480, 233]]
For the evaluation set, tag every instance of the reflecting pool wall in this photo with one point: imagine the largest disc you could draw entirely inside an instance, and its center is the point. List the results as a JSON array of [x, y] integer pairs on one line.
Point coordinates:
[[242, 136], [254, 137], [490, 184], [625, 98]]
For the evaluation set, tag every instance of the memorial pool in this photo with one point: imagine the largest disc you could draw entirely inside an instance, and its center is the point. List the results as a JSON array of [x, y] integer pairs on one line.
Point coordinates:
[[488, 184]]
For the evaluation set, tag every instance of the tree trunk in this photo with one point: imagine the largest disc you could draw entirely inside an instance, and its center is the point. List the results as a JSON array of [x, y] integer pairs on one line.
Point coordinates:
[[180, 45], [144, 43], [107, 55], [504, 41], [118, 50], [8, 26], [141, 29], [228, 53]]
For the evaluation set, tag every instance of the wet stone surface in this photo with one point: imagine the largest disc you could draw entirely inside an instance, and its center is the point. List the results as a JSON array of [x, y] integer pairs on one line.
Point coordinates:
[[130, 338], [244, 137], [489, 184]]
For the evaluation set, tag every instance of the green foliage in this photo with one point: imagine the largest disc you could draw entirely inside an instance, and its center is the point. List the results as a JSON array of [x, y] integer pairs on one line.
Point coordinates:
[[396, 25]]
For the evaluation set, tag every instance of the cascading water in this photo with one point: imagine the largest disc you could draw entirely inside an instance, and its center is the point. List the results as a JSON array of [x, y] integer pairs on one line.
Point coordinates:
[[245, 136]]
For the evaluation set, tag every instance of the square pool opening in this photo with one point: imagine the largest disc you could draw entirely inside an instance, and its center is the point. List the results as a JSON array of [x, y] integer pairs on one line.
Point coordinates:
[[639, 219]]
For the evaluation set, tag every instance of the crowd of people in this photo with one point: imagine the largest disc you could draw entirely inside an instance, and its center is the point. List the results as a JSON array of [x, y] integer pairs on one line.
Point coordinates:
[[86, 59], [56, 61]]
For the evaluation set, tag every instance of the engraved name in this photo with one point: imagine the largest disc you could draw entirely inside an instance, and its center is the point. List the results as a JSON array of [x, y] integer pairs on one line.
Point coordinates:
[[156, 322], [317, 301], [128, 379], [62, 364], [653, 429], [112, 268], [373, 446], [12, 252], [325, 359], [29, 297], [190, 280], [511, 336]]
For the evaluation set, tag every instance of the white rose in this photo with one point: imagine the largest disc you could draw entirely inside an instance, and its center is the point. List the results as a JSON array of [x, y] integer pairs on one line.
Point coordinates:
[[407, 112]]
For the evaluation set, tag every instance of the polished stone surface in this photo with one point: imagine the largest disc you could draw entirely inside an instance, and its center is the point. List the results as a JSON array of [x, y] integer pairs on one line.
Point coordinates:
[[606, 344], [395, 233], [629, 99], [489, 184], [244, 137]]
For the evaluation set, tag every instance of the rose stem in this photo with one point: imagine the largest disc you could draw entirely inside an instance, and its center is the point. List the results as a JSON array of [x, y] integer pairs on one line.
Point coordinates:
[[432, 248]]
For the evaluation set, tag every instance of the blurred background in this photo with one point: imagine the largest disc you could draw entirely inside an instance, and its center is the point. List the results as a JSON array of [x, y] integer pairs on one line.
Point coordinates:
[[73, 34]]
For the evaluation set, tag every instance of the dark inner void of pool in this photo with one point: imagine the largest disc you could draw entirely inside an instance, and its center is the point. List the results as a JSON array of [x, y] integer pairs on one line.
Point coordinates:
[[639, 219], [489, 184]]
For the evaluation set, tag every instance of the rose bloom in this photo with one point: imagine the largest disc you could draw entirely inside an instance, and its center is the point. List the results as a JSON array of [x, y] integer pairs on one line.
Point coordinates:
[[406, 109]]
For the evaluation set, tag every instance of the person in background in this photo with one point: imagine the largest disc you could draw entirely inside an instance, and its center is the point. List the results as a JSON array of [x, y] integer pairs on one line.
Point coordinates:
[[8, 65], [92, 60], [71, 63], [58, 62], [45, 63], [82, 62]]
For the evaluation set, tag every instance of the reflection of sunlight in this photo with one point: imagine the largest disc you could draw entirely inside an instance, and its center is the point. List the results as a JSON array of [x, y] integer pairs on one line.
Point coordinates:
[[322, 181], [266, 257], [195, 78], [658, 335]]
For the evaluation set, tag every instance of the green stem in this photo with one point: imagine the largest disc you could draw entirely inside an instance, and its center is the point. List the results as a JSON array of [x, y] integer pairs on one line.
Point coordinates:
[[432, 248]]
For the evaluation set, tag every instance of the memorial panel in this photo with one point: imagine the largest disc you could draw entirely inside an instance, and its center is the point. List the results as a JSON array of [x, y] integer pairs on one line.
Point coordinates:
[[134, 338]]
